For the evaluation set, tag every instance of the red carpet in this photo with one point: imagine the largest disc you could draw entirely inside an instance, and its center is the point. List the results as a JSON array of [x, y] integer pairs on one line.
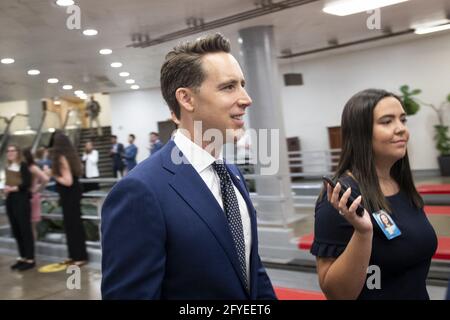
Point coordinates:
[[434, 189], [445, 210], [295, 294], [443, 250], [305, 242]]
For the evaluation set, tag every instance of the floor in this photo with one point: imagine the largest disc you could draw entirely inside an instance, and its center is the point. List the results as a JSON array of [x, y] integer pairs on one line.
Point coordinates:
[[33, 285]]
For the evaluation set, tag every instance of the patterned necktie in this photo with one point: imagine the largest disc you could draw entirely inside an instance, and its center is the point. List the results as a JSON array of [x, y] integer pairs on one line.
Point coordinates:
[[231, 208]]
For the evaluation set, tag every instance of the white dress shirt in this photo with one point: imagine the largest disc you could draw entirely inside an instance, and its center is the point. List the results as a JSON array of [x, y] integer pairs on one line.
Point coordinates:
[[91, 160], [202, 161]]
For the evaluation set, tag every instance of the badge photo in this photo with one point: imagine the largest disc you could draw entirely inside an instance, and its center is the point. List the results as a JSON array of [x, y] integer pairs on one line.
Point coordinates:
[[386, 224]]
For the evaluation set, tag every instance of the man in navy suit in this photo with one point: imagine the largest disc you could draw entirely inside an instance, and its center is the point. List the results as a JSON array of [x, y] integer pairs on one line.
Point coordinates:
[[181, 225], [130, 153]]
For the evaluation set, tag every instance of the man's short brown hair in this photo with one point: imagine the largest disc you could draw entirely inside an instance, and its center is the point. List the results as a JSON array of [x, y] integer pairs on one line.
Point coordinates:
[[183, 67]]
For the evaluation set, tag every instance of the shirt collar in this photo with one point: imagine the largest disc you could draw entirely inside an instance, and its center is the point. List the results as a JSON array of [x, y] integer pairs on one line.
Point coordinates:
[[197, 156]]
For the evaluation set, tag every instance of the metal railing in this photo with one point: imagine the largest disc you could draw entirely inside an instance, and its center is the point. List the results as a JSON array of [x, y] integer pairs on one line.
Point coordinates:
[[38, 136], [74, 113], [6, 133]]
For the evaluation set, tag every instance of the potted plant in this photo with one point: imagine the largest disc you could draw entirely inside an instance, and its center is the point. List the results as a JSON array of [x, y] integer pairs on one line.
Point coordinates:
[[441, 137]]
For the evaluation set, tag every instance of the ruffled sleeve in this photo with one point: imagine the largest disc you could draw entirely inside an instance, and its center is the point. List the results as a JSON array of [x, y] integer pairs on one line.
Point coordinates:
[[326, 250], [332, 232]]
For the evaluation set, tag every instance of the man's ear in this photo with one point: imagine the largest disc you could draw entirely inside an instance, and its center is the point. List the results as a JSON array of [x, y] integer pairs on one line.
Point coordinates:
[[185, 99], [174, 118]]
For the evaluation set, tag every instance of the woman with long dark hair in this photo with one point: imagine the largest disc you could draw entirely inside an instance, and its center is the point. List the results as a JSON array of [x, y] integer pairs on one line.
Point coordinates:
[[374, 164], [66, 169], [17, 191]]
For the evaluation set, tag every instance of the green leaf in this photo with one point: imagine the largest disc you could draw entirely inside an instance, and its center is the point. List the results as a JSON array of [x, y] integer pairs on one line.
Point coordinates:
[[411, 107], [415, 91], [404, 89], [448, 97]]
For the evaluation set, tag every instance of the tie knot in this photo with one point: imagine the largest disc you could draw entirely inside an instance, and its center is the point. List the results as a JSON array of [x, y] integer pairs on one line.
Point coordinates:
[[220, 168]]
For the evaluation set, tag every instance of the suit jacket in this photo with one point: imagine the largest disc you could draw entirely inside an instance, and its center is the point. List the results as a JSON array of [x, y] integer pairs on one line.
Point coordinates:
[[164, 236], [117, 157], [447, 297], [156, 147], [130, 156]]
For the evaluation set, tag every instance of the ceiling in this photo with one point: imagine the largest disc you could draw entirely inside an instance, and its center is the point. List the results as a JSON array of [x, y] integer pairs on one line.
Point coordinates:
[[34, 33]]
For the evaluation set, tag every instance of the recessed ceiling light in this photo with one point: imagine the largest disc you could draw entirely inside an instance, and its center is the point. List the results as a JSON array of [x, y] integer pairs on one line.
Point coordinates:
[[33, 72], [130, 81], [67, 87], [90, 32], [65, 3], [116, 64], [7, 60], [134, 87], [105, 51], [52, 80], [347, 7], [124, 74], [79, 92]]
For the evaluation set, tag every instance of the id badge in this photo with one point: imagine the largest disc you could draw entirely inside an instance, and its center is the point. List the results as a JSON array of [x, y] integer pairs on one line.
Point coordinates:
[[386, 224]]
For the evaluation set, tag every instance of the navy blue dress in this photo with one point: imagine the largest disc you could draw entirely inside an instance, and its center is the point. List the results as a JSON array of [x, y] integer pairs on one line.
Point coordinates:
[[404, 261]]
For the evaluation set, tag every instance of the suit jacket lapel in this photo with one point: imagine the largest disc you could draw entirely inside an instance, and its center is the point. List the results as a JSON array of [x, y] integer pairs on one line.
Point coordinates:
[[190, 186]]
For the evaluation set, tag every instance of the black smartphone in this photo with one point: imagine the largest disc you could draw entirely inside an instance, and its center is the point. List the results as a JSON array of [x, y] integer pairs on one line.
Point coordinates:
[[351, 198]]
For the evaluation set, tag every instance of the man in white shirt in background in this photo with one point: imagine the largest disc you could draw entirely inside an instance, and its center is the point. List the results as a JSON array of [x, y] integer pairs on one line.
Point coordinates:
[[90, 160]]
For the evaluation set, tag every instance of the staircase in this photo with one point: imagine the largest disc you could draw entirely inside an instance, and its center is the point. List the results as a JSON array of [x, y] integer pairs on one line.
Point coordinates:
[[103, 145]]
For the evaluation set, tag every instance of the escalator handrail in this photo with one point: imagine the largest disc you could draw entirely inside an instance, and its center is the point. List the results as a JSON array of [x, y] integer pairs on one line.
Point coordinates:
[[8, 121], [38, 136]]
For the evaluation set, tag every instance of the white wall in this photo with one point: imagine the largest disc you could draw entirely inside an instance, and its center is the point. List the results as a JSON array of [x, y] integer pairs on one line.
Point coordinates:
[[137, 112], [330, 81]]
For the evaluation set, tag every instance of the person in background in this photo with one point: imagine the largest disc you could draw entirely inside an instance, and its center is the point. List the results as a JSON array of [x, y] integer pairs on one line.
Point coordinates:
[[155, 143], [130, 153], [66, 169], [90, 160], [41, 158], [93, 111], [38, 182], [18, 207], [117, 154]]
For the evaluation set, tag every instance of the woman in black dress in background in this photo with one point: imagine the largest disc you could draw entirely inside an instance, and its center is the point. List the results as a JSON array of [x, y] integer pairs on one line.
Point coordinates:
[[18, 207], [66, 169], [374, 163]]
